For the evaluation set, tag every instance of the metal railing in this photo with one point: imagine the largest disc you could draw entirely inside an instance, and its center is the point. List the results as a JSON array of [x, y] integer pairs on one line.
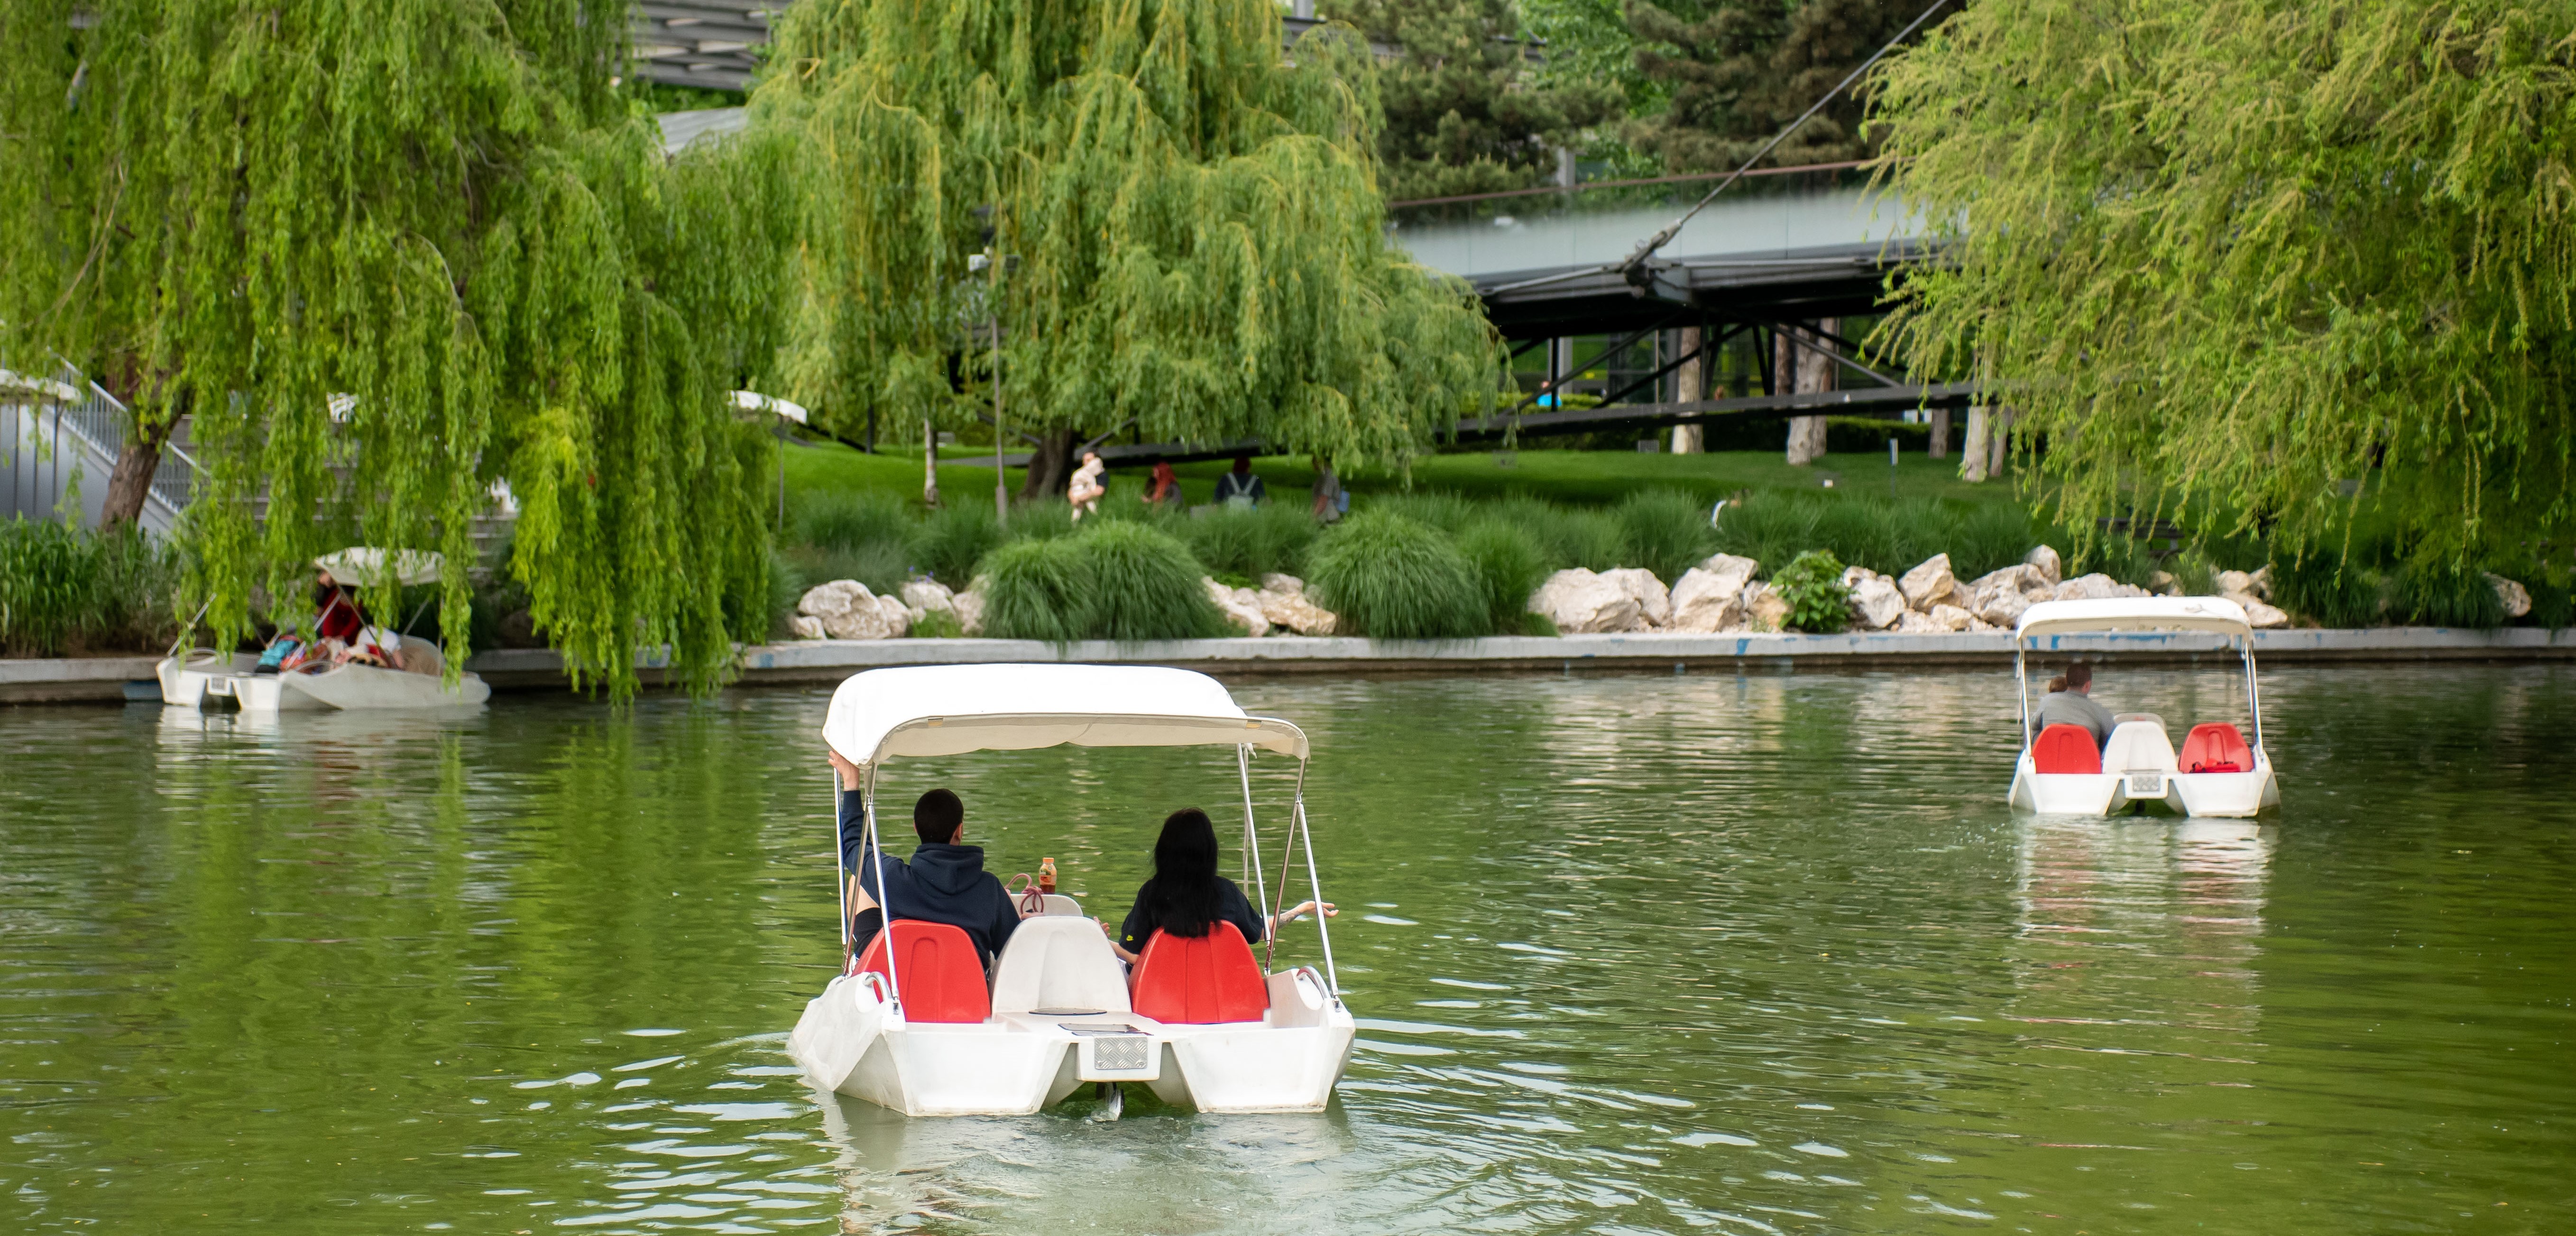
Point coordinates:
[[102, 422]]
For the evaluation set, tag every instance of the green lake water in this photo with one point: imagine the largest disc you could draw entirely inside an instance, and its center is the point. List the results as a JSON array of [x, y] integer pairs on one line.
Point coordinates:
[[1631, 954]]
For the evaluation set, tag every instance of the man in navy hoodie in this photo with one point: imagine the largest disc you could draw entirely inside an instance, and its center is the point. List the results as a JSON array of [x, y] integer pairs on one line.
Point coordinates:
[[943, 882]]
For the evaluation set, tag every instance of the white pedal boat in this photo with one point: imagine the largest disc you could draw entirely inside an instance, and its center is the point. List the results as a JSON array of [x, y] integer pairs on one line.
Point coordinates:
[[1206, 1023], [2216, 774], [204, 679]]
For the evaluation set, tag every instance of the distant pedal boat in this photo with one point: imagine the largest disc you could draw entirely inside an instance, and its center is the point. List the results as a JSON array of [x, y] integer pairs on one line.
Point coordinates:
[[911, 1024], [2217, 773]]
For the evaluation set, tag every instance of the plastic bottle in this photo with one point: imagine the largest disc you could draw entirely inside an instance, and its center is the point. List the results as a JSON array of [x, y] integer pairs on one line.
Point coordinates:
[[1046, 876]]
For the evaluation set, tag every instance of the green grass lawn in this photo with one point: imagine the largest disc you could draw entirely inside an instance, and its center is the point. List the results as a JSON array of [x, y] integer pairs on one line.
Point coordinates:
[[1577, 477]]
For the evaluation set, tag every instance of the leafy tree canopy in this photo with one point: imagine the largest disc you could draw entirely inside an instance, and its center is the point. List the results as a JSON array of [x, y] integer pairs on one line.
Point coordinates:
[[1193, 228], [1739, 71], [442, 209], [2261, 262], [1465, 112]]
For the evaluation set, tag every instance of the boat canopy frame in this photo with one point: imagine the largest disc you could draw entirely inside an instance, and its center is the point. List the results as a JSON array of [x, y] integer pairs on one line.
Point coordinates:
[[930, 710], [2213, 615]]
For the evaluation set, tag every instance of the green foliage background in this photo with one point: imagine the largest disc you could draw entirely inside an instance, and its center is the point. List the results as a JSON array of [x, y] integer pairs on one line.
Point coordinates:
[[1194, 228], [1465, 109], [445, 212], [2261, 264]]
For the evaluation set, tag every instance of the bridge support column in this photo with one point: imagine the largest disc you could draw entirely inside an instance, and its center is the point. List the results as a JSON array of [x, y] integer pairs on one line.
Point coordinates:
[[1688, 439]]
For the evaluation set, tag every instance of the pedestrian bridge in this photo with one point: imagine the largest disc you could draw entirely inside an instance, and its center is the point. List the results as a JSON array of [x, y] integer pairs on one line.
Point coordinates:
[[1782, 244]]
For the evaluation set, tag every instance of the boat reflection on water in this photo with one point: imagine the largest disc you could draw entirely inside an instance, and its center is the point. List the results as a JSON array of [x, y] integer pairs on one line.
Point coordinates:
[[1155, 1171], [2142, 935]]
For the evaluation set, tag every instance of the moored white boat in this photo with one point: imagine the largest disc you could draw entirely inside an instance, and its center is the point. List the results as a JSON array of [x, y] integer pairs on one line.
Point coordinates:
[[203, 678], [2217, 773], [915, 1028]]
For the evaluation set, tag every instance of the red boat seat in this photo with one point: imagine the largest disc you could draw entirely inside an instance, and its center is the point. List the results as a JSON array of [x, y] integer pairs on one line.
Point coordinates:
[[942, 979], [2063, 748], [2216, 747], [1211, 979]]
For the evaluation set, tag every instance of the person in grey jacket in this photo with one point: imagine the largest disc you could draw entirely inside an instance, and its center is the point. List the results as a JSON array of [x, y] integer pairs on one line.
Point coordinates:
[[2073, 704]]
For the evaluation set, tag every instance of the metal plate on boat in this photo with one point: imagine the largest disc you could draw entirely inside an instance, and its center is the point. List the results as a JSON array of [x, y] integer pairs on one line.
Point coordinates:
[[2146, 785], [1117, 1057], [1066, 1012]]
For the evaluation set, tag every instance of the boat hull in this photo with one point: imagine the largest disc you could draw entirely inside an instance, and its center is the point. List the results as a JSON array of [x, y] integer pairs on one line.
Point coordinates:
[[205, 681], [2202, 795], [851, 1040]]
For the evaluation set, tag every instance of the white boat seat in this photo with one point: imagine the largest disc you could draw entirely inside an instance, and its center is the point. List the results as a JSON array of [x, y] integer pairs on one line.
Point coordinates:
[[1057, 961], [2138, 746]]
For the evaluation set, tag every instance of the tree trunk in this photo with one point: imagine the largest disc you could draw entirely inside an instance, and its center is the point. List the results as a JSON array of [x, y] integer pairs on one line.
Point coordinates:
[[1050, 465], [1815, 372], [1972, 455], [1686, 389], [1940, 433], [131, 482], [1999, 443], [929, 463]]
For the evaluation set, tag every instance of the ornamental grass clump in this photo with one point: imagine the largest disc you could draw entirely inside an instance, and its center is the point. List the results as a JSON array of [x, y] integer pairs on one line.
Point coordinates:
[[1508, 568], [1388, 577], [1665, 531], [954, 538], [1143, 585], [1117, 580], [65, 590], [1229, 541], [1812, 584]]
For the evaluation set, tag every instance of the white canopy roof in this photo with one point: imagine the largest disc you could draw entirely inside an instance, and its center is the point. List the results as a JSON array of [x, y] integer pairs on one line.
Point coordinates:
[[2134, 614], [953, 709], [363, 565]]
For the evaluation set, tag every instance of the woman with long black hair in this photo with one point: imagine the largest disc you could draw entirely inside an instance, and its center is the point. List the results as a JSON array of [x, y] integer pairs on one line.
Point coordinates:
[[1187, 897]]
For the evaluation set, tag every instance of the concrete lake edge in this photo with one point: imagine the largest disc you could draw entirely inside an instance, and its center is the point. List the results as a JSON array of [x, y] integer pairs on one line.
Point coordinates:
[[106, 679]]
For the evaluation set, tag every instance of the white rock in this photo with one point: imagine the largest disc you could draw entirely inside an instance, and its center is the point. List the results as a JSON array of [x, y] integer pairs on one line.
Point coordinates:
[[926, 595], [969, 607], [1768, 610], [2263, 582], [1930, 583], [848, 610], [2263, 617], [2516, 598], [1910, 623], [806, 626], [1952, 618], [2235, 584], [1652, 599], [2000, 607], [1876, 603], [2095, 587], [896, 615], [1733, 571], [2045, 561], [1706, 602], [1289, 607], [1242, 607], [2163, 584], [1582, 603]]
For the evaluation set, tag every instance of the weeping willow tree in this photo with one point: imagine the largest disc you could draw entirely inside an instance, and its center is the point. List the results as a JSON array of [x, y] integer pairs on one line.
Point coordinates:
[[1192, 233], [391, 258], [2269, 263]]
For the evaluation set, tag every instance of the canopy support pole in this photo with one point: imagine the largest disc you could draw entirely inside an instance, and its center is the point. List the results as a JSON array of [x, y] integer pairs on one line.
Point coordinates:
[[840, 869], [2253, 693], [885, 898], [1251, 836], [1288, 848], [1315, 879]]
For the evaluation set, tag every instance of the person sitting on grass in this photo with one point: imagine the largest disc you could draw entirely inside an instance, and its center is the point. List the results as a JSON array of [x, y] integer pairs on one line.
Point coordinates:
[[943, 882], [2070, 702], [1187, 897], [1240, 487]]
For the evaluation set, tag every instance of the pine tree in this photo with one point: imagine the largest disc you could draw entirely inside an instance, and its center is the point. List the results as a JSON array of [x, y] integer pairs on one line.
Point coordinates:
[[445, 211], [1741, 70], [1464, 111], [1192, 230]]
